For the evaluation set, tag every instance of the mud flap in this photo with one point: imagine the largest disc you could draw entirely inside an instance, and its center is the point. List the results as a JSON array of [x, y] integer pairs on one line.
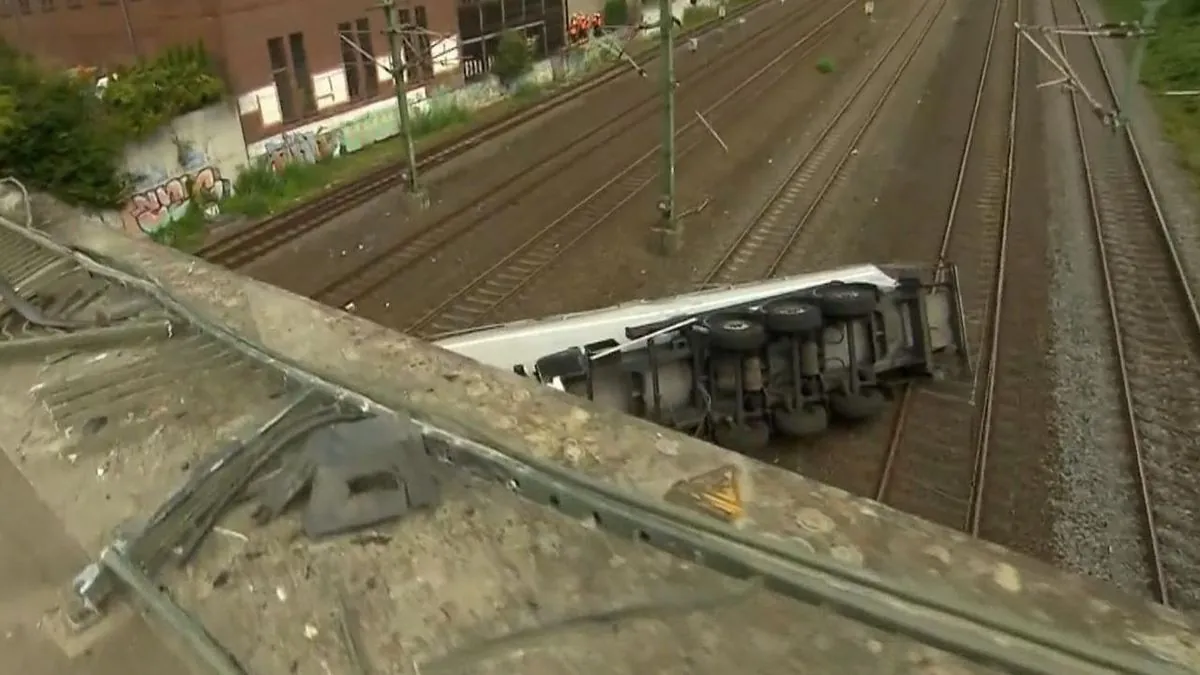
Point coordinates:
[[959, 321], [934, 319], [948, 287]]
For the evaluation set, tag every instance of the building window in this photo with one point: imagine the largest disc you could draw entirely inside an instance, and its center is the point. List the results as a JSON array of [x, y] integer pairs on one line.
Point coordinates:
[[291, 79], [283, 79], [304, 81], [358, 59], [418, 57], [425, 65]]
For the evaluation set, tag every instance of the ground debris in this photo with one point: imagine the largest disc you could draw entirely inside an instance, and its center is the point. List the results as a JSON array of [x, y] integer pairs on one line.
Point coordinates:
[[358, 470]]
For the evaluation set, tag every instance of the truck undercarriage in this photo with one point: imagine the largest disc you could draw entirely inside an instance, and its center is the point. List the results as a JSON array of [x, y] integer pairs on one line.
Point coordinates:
[[744, 364]]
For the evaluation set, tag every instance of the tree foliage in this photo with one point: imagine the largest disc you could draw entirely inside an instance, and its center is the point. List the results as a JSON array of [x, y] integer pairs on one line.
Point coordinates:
[[149, 94], [59, 138], [616, 13], [514, 58], [61, 134], [8, 112]]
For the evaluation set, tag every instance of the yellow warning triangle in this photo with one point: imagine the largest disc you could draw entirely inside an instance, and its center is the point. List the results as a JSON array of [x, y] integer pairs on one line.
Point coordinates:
[[717, 493]]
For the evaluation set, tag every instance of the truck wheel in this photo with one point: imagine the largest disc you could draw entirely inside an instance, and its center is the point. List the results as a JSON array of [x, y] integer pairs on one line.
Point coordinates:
[[863, 405], [808, 420], [848, 301], [735, 332], [744, 438], [793, 316]]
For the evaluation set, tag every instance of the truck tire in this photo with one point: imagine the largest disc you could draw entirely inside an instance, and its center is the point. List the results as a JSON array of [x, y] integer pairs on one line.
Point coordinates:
[[848, 301], [735, 332], [859, 406], [793, 316], [804, 422], [744, 438]]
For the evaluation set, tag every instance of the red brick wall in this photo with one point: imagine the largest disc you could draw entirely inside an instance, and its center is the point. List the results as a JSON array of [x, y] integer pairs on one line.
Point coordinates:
[[68, 33]]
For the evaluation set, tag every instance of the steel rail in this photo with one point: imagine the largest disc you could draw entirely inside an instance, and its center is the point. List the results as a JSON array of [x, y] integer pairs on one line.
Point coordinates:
[[1135, 216], [970, 157], [452, 227], [767, 223], [474, 301], [251, 242]]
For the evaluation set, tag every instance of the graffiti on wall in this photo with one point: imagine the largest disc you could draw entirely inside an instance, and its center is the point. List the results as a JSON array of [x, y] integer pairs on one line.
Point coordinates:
[[153, 209], [304, 147]]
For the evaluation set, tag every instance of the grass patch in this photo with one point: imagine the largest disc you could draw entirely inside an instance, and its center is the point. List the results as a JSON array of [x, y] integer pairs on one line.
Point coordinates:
[[526, 91], [694, 15], [1172, 64], [185, 232], [259, 191]]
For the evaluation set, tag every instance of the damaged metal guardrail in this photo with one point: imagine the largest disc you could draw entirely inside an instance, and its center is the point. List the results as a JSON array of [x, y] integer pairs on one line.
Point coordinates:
[[987, 635]]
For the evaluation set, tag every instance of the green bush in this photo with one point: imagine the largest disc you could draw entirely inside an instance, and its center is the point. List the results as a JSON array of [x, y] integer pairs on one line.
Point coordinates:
[[694, 15], [616, 13], [8, 111], [60, 136], [438, 116], [513, 57], [1172, 63], [148, 95]]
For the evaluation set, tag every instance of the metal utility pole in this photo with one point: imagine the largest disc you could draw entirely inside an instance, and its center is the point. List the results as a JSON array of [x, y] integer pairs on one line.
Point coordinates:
[[395, 36], [1149, 16], [669, 234]]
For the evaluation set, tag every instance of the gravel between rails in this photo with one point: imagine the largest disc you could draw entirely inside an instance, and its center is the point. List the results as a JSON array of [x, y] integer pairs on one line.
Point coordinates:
[[1158, 344], [902, 220], [1020, 470], [1094, 500], [1181, 205]]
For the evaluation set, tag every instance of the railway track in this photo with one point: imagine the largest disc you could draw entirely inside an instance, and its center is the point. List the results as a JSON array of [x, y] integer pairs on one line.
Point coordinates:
[[531, 185], [758, 251], [935, 461], [250, 243], [941, 472], [1155, 327], [471, 303]]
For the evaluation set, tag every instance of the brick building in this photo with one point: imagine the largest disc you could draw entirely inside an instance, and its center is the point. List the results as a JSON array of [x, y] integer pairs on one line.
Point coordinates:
[[481, 23], [282, 59], [286, 61]]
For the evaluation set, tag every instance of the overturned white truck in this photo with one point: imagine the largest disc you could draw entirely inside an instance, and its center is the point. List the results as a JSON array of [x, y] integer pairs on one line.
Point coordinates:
[[739, 365]]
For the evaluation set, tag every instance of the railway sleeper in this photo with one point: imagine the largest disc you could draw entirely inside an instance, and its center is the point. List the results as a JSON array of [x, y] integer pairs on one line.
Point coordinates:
[[742, 365]]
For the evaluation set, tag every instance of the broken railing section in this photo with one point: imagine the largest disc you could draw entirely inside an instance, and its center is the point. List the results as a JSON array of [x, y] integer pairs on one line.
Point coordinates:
[[49, 305], [356, 469]]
